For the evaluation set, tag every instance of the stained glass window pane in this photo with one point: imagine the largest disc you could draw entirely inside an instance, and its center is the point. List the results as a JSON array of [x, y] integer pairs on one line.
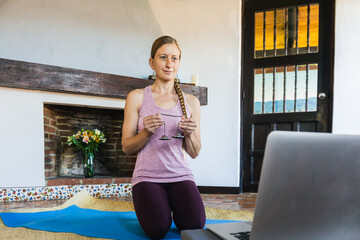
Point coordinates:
[[291, 30], [280, 32], [269, 34], [268, 90], [302, 29], [290, 89], [314, 28], [312, 87], [301, 88], [279, 90], [259, 34], [258, 90]]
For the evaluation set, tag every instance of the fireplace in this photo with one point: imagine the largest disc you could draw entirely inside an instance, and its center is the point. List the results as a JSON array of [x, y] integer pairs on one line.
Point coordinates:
[[63, 161]]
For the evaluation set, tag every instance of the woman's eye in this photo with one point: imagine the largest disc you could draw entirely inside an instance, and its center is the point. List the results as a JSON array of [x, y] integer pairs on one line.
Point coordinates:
[[162, 57], [174, 58]]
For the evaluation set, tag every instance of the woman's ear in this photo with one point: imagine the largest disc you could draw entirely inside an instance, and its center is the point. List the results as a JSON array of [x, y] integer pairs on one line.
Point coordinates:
[[151, 63]]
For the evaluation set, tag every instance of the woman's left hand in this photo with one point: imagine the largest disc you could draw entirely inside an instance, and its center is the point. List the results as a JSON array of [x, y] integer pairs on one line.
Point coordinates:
[[187, 125]]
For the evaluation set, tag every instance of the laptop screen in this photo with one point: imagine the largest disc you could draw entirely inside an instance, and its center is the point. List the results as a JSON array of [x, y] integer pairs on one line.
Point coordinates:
[[309, 187]]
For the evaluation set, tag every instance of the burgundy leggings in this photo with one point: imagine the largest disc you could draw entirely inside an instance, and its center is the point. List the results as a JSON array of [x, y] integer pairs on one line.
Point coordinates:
[[154, 203]]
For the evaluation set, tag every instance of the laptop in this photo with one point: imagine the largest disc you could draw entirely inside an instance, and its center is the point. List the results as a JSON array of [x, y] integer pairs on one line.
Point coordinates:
[[309, 189]]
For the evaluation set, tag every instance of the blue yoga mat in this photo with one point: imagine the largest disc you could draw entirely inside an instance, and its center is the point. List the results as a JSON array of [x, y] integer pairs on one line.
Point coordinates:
[[87, 222]]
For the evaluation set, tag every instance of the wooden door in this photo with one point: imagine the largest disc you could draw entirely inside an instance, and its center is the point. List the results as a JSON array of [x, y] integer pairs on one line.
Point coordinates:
[[287, 74]]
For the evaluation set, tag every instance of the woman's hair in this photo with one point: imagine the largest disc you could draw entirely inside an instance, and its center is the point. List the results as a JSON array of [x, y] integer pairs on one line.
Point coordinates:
[[158, 43]]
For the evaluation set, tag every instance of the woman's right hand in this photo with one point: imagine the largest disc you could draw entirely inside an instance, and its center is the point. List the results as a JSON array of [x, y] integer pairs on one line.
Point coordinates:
[[152, 122]]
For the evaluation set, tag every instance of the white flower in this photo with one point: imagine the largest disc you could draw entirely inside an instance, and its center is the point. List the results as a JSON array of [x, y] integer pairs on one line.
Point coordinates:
[[97, 132], [86, 139]]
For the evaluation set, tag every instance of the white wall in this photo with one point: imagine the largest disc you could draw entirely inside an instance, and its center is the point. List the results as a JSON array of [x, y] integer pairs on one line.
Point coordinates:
[[115, 36], [347, 78], [112, 36]]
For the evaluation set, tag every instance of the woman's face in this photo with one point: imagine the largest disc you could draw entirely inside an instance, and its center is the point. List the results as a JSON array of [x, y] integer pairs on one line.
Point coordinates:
[[166, 62]]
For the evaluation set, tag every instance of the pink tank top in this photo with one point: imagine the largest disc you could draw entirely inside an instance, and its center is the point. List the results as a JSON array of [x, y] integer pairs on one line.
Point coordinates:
[[161, 160]]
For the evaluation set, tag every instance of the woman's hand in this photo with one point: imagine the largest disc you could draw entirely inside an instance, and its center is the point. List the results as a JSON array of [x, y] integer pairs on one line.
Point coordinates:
[[152, 122], [187, 125]]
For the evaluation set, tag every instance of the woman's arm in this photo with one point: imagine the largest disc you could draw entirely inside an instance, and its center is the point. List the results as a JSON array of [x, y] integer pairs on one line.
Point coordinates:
[[132, 142], [191, 127]]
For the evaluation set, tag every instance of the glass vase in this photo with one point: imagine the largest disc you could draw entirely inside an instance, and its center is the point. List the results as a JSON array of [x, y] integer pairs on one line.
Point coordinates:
[[88, 164]]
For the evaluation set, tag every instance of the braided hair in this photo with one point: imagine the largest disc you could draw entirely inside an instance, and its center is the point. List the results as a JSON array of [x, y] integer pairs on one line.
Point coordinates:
[[156, 45], [180, 96]]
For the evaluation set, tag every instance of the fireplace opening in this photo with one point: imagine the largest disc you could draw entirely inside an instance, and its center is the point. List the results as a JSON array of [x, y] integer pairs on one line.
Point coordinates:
[[62, 160]]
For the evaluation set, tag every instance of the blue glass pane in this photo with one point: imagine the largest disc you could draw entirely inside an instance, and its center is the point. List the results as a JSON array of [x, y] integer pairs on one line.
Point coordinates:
[[258, 90]]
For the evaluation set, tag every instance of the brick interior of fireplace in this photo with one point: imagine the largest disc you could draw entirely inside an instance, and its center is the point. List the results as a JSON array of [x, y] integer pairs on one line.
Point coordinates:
[[62, 161]]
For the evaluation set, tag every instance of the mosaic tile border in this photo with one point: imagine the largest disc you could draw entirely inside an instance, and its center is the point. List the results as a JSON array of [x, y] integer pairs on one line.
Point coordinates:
[[63, 192]]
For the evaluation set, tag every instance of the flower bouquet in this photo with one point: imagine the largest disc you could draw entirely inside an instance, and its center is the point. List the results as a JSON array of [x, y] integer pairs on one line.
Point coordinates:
[[88, 142]]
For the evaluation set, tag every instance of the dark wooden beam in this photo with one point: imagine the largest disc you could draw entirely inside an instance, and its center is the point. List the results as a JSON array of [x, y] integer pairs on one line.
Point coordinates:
[[34, 76]]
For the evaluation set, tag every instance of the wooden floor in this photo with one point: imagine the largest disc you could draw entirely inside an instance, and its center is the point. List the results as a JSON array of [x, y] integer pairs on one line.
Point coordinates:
[[245, 201]]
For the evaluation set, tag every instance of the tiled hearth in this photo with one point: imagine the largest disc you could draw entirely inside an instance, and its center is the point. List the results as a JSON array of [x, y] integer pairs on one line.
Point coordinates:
[[65, 188]]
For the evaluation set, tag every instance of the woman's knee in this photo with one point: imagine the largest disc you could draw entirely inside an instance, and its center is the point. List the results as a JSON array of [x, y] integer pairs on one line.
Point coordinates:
[[188, 207], [194, 222], [157, 230]]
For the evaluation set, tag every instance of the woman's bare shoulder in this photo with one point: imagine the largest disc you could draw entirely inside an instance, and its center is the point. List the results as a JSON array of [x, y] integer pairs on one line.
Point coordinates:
[[135, 97], [193, 103], [137, 92], [192, 100]]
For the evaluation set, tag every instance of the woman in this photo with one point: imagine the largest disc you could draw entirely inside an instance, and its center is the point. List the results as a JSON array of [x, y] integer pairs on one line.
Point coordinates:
[[163, 184]]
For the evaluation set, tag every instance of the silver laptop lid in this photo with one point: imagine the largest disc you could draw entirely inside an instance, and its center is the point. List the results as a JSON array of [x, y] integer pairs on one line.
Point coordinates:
[[309, 187]]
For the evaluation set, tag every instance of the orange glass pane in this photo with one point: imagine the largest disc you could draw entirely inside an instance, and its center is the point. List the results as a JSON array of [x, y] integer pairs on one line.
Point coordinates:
[[259, 34], [314, 27], [280, 32], [302, 29], [269, 33]]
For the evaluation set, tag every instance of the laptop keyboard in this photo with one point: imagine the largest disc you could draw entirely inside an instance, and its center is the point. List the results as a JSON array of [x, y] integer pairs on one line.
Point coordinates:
[[241, 235]]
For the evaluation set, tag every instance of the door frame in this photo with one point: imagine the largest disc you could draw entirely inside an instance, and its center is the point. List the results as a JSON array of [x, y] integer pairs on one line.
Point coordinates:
[[328, 13]]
